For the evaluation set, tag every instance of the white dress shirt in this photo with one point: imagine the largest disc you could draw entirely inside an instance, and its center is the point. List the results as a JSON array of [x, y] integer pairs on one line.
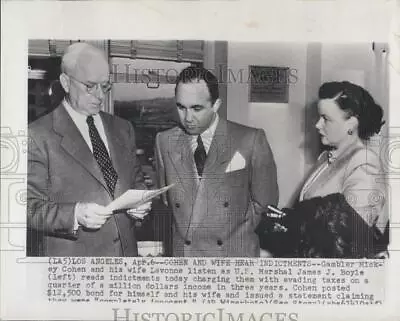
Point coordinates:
[[80, 122], [207, 136]]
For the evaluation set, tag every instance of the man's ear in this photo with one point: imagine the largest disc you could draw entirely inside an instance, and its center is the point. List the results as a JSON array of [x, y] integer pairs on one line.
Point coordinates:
[[64, 81], [216, 105]]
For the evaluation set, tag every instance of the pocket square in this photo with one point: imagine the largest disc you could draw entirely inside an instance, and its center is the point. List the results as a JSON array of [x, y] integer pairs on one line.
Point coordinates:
[[237, 162]]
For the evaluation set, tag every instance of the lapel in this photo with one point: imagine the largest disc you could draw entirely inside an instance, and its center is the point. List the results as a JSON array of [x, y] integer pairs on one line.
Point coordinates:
[[74, 144], [181, 155], [327, 174], [308, 182], [118, 152], [219, 154]]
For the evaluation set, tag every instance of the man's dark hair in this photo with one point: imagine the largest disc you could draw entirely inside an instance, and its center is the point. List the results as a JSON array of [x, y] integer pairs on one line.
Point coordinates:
[[193, 73]]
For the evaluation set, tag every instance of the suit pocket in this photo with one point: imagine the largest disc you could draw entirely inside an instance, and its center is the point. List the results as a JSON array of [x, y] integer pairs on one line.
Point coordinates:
[[237, 178], [236, 172]]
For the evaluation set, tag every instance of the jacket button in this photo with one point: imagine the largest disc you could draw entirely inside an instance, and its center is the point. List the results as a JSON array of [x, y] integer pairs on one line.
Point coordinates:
[[226, 204], [177, 205], [187, 242], [219, 242]]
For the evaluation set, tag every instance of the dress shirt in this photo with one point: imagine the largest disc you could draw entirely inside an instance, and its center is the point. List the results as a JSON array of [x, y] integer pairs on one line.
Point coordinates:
[[207, 136]]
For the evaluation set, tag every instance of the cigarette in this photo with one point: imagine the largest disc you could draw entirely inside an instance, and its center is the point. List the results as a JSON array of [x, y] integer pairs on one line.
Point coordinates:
[[273, 209]]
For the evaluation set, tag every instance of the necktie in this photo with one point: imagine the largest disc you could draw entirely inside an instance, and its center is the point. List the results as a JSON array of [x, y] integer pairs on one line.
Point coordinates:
[[200, 156], [101, 155]]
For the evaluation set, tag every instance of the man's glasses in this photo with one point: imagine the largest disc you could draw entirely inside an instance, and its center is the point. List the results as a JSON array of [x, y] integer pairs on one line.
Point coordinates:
[[91, 88]]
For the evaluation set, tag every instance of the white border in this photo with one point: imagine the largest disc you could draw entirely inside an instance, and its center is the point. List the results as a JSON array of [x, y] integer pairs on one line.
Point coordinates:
[[282, 20]]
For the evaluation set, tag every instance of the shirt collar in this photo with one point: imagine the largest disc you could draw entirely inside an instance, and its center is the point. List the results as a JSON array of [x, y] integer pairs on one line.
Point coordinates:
[[334, 154], [76, 116], [208, 134]]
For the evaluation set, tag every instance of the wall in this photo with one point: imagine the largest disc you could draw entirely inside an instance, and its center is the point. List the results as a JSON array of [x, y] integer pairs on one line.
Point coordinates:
[[360, 64], [215, 59], [283, 123]]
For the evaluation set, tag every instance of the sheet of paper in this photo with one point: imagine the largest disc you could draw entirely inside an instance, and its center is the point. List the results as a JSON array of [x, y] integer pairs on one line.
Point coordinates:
[[135, 197]]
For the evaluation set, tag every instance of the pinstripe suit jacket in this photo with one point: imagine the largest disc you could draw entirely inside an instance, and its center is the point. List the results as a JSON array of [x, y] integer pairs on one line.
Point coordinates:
[[217, 215]]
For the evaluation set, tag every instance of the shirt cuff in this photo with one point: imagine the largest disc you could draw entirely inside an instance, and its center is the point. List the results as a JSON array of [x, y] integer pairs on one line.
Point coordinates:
[[76, 224]]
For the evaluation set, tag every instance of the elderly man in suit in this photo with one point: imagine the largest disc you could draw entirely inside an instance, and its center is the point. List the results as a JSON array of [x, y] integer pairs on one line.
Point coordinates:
[[79, 160], [224, 174]]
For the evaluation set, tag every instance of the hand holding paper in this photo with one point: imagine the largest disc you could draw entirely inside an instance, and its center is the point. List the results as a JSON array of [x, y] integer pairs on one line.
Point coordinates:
[[134, 198], [90, 215]]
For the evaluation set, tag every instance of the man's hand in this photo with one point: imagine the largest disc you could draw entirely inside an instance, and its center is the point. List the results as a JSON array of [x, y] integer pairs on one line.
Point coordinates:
[[91, 215], [140, 212]]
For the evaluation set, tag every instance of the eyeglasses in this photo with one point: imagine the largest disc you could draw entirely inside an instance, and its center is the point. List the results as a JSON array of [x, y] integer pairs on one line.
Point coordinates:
[[91, 88]]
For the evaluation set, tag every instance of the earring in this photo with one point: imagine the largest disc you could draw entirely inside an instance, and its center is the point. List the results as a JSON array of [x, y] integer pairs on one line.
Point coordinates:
[[350, 132]]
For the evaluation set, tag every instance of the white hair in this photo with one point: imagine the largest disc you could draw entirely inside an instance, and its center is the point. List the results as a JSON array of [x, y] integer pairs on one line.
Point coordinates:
[[73, 52]]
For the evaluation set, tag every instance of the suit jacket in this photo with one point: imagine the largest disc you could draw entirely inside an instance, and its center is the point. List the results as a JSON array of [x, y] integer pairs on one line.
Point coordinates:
[[356, 174], [63, 171], [217, 215]]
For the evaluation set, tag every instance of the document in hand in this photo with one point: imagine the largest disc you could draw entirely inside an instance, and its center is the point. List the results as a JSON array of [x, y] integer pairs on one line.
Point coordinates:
[[134, 198]]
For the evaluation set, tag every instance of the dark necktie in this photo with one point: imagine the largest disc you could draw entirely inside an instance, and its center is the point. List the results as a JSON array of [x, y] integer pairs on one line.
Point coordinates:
[[200, 156], [101, 155]]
